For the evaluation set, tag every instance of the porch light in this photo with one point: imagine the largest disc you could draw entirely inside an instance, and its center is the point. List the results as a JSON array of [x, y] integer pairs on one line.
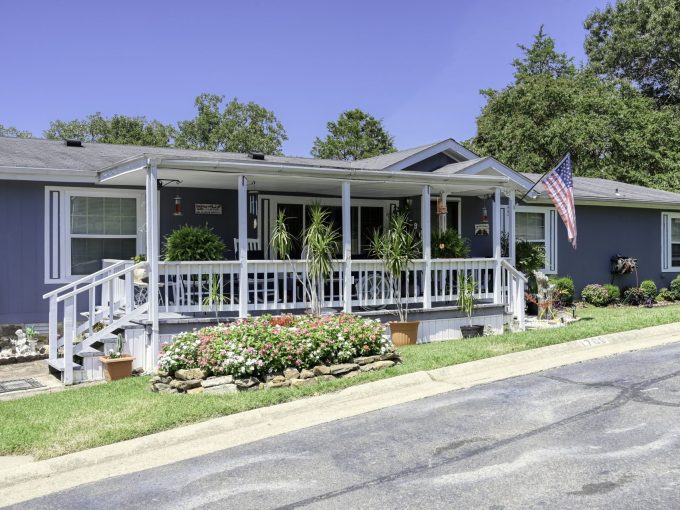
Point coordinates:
[[485, 214], [178, 205]]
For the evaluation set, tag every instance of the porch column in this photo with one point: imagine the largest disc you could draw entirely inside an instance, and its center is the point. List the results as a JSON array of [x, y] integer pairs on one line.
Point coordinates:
[[243, 245], [496, 236], [347, 246], [511, 227], [152, 253], [425, 223]]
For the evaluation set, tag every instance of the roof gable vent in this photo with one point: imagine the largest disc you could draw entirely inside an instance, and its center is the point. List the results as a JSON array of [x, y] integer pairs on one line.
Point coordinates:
[[257, 155], [73, 143]]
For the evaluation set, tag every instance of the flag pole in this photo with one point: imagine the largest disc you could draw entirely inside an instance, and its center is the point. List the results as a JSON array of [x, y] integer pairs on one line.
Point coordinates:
[[543, 176]]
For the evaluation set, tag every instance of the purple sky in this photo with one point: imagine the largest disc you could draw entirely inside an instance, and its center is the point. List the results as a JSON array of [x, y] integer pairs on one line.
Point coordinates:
[[418, 65]]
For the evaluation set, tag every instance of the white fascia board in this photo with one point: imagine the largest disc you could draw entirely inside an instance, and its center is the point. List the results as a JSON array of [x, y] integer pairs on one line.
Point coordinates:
[[612, 203], [126, 167], [444, 146], [46, 174], [490, 162]]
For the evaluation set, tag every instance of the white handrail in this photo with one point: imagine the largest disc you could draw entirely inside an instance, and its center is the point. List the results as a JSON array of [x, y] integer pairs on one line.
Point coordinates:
[[84, 279], [514, 270], [99, 282]]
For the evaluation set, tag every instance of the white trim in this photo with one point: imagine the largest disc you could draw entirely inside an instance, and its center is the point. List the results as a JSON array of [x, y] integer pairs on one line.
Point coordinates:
[[490, 163], [63, 227], [550, 239], [460, 210], [449, 145], [19, 173], [667, 242]]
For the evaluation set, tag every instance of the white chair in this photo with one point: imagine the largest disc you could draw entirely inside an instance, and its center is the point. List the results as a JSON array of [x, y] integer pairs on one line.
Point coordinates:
[[253, 245]]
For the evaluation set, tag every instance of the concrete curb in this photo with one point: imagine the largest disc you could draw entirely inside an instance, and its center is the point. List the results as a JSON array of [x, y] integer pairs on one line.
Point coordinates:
[[34, 479]]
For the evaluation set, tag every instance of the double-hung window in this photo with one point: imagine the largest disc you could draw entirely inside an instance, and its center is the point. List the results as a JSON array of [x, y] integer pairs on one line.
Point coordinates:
[[670, 242], [538, 226]]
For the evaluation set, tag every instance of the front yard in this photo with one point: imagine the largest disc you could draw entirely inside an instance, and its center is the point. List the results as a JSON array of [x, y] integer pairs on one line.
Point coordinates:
[[58, 423]]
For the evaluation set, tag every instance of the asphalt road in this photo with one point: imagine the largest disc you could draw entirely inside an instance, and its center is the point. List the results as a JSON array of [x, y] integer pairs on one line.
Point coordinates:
[[601, 434]]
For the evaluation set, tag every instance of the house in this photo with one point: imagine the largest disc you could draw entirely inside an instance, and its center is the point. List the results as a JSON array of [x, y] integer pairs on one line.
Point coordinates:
[[73, 215]]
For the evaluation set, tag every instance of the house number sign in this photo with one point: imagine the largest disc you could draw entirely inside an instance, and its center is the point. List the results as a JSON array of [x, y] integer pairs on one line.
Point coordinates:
[[208, 208]]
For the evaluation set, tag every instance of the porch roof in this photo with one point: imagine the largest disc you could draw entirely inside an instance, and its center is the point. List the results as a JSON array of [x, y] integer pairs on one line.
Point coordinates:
[[266, 175]]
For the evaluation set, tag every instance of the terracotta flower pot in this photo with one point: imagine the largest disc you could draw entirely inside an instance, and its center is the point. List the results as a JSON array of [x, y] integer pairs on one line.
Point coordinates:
[[117, 368], [404, 333]]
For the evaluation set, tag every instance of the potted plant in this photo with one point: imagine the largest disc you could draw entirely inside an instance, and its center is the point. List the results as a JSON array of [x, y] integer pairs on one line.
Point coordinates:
[[32, 339], [397, 248], [530, 258], [116, 364], [466, 300]]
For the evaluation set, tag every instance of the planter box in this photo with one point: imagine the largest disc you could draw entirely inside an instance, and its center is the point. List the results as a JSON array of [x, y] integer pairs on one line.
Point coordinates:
[[117, 368], [404, 333]]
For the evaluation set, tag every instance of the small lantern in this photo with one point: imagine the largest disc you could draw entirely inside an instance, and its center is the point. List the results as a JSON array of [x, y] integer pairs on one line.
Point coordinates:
[[485, 215], [178, 205]]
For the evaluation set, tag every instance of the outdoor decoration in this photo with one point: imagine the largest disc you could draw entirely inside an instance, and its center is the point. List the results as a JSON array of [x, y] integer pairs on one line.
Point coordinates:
[[623, 265], [178, 205]]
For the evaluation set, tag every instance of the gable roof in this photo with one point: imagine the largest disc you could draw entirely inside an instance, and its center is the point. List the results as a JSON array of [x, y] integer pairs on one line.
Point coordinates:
[[593, 189]]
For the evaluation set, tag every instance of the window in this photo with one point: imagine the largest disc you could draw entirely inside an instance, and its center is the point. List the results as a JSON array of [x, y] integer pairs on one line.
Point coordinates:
[[84, 226], [538, 225], [670, 242]]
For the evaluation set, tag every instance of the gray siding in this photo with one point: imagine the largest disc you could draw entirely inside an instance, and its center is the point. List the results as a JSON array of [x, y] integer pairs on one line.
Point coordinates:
[[431, 163]]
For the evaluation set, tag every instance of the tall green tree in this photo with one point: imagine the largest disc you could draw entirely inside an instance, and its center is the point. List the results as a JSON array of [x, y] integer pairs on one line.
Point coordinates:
[[610, 128], [12, 132], [355, 135], [239, 127], [638, 40], [119, 129]]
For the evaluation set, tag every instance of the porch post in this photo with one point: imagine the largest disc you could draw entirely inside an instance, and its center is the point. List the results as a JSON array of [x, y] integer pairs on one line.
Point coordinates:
[[425, 223], [347, 246], [511, 227], [152, 253], [496, 229], [243, 245]]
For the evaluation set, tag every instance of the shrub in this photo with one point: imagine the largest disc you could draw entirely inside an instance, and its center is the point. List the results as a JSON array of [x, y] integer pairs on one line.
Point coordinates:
[[675, 287], [565, 286], [193, 243], [530, 257], [648, 288], [263, 345], [634, 296], [665, 295], [449, 245], [596, 294], [613, 291]]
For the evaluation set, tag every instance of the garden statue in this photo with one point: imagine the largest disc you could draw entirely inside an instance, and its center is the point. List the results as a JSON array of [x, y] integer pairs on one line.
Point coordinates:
[[21, 346]]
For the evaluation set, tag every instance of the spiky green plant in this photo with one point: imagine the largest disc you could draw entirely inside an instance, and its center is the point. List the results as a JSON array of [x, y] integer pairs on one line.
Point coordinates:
[[320, 243]]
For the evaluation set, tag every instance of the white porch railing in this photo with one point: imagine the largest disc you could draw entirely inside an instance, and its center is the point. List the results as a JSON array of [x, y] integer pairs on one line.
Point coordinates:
[[513, 283]]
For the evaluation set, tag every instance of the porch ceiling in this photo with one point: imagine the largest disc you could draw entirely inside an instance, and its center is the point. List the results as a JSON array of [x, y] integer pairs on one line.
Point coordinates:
[[366, 184]]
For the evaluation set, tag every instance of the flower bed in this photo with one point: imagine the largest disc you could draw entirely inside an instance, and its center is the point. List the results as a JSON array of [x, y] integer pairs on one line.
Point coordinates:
[[269, 351]]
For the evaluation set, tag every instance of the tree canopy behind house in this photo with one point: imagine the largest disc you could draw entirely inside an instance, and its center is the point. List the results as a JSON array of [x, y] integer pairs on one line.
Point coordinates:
[[611, 129], [638, 40], [238, 127], [120, 129], [12, 132], [355, 135]]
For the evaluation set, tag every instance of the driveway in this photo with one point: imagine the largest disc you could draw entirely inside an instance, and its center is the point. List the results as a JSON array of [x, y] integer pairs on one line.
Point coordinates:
[[600, 434]]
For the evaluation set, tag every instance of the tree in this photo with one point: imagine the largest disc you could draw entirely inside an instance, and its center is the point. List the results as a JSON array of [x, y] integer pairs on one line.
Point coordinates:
[[610, 128], [12, 132], [355, 135], [119, 129], [240, 127], [541, 59], [638, 40]]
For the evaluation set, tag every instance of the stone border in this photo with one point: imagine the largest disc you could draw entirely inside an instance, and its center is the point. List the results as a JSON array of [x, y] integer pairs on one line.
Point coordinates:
[[195, 380], [11, 360]]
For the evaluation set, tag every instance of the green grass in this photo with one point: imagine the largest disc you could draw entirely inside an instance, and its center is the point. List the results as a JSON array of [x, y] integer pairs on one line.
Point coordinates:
[[58, 423]]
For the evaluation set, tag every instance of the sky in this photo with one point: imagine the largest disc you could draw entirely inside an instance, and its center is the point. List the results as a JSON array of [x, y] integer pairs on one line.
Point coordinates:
[[417, 65]]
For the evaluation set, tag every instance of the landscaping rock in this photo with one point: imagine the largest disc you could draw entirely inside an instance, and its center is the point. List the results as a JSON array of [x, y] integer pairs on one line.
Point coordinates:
[[271, 377], [306, 374], [282, 384], [217, 381], [162, 373], [160, 379], [291, 373], [189, 374], [220, 390], [343, 368], [378, 365], [160, 386], [301, 382], [194, 391], [349, 375], [321, 378], [244, 384], [390, 356], [321, 370], [185, 385], [365, 360]]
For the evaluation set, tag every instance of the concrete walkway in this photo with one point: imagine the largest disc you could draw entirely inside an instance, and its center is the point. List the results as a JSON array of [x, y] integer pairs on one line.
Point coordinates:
[[28, 480], [31, 370]]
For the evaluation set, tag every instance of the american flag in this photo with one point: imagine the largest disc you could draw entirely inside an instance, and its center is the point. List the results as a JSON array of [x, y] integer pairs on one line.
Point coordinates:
[[560, 187]]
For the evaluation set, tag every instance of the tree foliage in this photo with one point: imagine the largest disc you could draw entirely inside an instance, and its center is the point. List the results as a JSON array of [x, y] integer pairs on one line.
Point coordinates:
[[610, 128], [239, 127], [355, 135], [638, 40], [12, 132], [120, 129]]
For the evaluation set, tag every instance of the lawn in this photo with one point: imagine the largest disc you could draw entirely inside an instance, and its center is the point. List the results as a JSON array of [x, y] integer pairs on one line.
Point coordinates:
[[58, 423]]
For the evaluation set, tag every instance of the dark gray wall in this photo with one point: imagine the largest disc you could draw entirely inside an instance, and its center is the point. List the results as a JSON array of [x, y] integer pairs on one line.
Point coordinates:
[[431, 163]]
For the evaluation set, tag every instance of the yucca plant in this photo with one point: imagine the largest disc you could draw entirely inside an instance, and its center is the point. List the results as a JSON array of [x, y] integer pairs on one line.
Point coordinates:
[[466, 294], [320, 243]]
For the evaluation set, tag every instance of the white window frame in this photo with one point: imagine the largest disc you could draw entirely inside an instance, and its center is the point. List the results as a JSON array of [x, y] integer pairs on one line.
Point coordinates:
[[274, 200], [667, 242], [550, 222], [459, 206], [63, 210]]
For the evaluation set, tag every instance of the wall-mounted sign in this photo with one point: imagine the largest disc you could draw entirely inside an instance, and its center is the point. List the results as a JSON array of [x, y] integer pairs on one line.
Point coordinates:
[[481, 229], [208, 208]]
